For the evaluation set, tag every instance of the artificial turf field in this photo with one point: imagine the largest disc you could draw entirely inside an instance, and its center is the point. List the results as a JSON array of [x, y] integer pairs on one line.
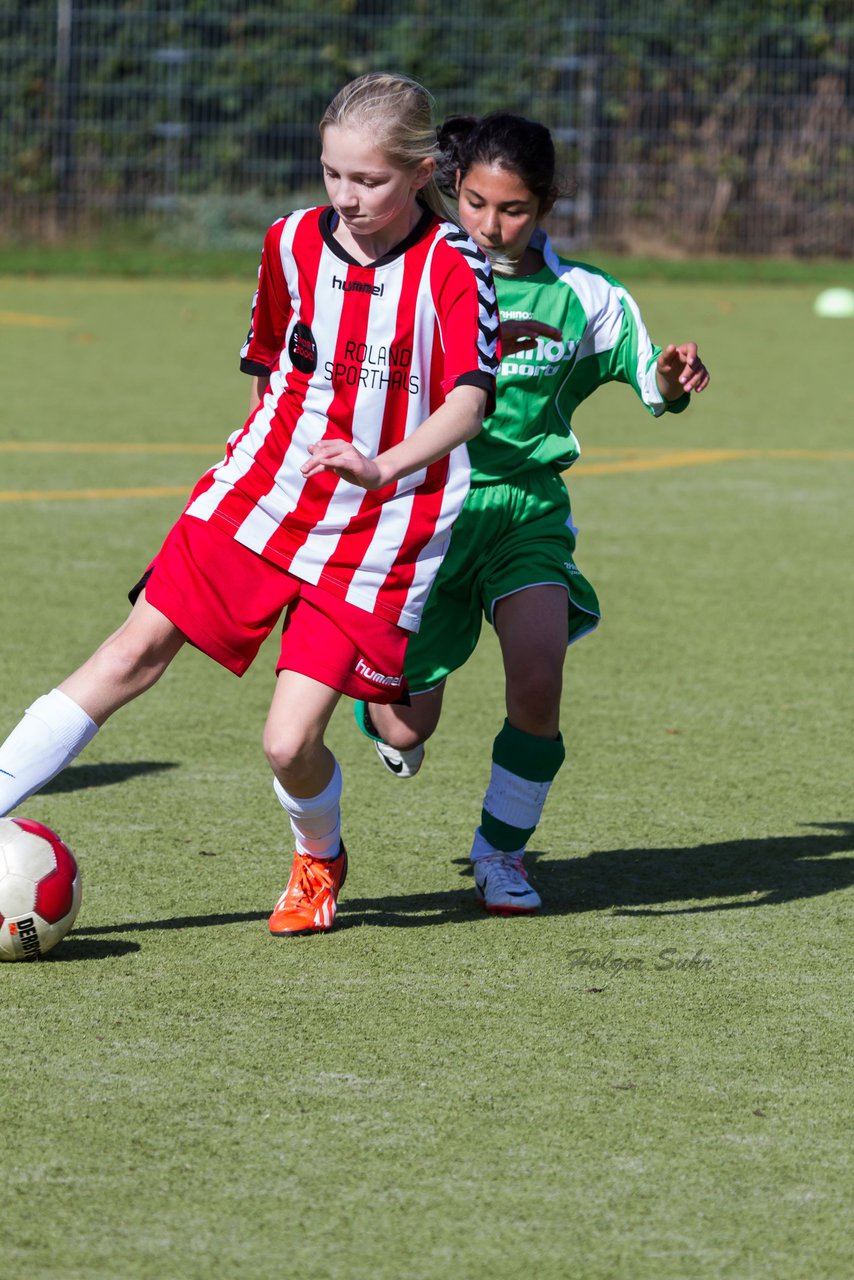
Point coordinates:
[[651, 1079]]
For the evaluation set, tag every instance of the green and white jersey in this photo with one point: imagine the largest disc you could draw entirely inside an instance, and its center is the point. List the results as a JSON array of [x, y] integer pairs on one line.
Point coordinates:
[[604, 340]]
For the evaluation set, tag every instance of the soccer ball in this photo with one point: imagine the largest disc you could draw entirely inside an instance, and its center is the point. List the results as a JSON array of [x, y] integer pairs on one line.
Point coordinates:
[[39, 889], [835, 304]]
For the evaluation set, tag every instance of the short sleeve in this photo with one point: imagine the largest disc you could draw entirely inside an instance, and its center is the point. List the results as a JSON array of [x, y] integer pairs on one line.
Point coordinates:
[[467, 312], [271, 310]]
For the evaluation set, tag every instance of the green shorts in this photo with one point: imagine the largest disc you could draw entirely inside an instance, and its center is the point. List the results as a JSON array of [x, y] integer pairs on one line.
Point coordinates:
[[507, 537]]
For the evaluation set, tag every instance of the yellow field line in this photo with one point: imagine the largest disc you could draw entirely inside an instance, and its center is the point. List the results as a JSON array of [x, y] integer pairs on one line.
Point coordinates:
[[658, 461], [717, 455], [624, 453], [24, 320], [29, 446], [92, 495], [621, 460], [634, 460]]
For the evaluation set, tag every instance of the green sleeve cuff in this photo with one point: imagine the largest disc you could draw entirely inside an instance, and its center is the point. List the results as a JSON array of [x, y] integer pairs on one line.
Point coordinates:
[[678, 406]]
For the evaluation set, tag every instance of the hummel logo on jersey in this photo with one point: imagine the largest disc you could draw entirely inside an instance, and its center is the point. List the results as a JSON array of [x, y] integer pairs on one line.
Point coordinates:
[[376, 677], [358, 286]]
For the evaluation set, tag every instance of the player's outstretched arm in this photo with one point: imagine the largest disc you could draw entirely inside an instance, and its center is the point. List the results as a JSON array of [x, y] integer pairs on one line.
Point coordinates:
[[457, 420], [680, 369]]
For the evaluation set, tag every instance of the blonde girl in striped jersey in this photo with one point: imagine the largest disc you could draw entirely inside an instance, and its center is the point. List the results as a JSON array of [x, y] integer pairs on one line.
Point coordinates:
[[373, 350]]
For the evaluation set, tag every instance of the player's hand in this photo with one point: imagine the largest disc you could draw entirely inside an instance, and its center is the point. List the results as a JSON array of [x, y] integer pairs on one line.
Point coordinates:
[[344, 459], [516, 335], [680, 369]]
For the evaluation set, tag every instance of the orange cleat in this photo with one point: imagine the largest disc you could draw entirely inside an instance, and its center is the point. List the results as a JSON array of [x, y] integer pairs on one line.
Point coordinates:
[[310, 901]]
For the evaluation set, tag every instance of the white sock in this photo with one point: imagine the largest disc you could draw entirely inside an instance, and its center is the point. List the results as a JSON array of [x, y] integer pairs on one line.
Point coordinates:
[[315, 820], [513, 807], [53, 731], [515, 801]]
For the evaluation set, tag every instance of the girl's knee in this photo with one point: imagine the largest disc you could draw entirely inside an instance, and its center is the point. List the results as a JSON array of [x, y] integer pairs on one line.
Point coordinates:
[[129, 662], [286, 746], [404, 735], [533, 703], [142, 648], [407, 727]]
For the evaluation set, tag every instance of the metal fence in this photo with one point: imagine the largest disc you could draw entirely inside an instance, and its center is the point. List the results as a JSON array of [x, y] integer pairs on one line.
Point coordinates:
[[726, 127]]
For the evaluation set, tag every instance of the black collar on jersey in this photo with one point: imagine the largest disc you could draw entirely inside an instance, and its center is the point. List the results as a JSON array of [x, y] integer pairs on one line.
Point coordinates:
[[329, 221]]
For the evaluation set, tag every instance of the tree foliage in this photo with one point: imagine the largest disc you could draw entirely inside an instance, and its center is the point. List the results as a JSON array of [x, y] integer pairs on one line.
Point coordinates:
[[734, 129]]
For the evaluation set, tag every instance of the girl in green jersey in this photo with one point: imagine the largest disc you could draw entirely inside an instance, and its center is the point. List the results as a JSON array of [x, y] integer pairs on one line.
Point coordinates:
[[567, 328]]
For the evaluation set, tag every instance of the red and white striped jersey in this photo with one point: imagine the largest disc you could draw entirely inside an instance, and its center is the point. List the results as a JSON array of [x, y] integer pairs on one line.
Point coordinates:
[[363, 353]]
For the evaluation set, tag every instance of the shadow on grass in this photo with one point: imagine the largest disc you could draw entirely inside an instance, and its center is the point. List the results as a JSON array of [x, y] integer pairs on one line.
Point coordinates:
[[173, 922], [707, 877], [731, 875], [83, 776], [410, 910], [79, 947]]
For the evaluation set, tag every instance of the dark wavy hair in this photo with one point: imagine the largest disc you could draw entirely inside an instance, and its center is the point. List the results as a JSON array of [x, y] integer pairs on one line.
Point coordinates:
[[502, 140]]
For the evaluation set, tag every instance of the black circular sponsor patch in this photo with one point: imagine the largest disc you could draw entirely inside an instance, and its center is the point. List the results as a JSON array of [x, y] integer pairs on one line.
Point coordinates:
[[302, 348]]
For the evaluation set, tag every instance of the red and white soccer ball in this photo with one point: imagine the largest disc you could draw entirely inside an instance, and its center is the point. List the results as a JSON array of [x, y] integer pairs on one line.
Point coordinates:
[[39, 889]]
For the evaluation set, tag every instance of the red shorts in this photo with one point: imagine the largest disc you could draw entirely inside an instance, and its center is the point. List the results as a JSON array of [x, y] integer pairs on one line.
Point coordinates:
[[227, 600]]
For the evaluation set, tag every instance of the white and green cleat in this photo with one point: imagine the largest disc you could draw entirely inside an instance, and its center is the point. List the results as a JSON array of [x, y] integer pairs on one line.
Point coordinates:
[[501, 885], [403, 764]]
